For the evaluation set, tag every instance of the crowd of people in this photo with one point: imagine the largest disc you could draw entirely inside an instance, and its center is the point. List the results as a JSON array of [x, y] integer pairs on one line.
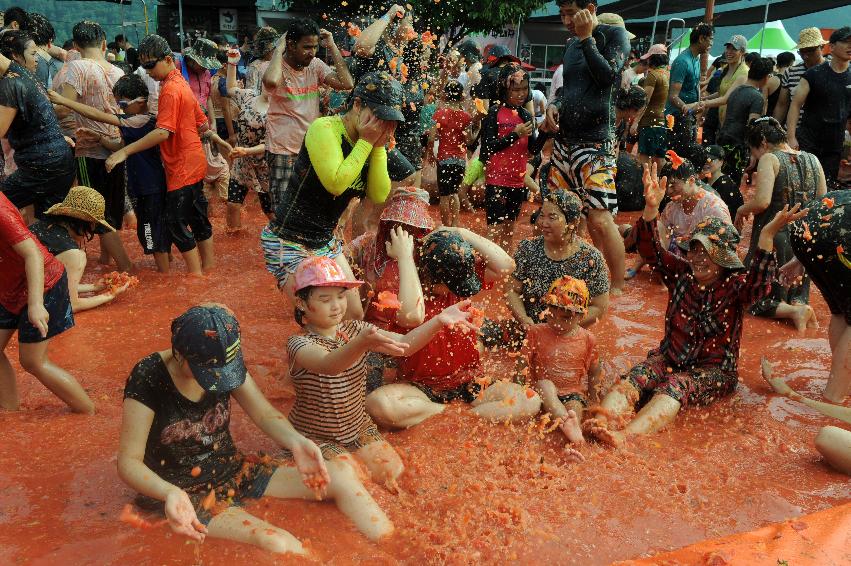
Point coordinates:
[[102, 137]]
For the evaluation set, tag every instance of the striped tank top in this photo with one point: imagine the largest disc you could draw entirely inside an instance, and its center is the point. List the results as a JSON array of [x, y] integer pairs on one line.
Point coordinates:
[[329, 407]]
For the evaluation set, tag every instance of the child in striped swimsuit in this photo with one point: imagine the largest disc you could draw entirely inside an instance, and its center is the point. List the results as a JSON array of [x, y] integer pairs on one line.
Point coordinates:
[[328, 369]]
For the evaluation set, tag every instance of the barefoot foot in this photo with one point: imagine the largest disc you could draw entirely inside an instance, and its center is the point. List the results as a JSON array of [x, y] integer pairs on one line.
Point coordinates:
[[802, 317], [605, 436], [572, 428], [573, 455]]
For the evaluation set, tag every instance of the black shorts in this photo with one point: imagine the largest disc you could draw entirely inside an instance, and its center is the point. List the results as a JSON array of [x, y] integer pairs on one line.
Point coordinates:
[[57, 302], [151, 226], [237, 193], [503, 204], [450, 174], [467, 392], [570, 397], [92, 173], [41, 186], [186, 214]]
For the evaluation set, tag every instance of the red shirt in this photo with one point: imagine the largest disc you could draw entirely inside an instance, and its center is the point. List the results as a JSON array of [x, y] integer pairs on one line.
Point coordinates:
[[507, 168], [451, 358], [564, 360], [13, 275], [179, 113], [451, 133]]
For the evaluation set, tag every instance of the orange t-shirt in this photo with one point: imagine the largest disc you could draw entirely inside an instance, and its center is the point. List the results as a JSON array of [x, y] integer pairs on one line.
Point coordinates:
[[179, 113], [564, 360]]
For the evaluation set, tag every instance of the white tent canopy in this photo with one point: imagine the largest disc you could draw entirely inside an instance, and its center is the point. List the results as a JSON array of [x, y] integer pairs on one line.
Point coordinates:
[[772, 40]]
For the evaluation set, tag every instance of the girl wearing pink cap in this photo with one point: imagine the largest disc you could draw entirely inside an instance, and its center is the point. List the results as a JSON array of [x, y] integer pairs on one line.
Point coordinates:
[[328, 367]]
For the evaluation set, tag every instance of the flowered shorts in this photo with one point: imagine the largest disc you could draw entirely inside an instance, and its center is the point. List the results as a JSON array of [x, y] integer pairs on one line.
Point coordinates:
[[589, 170], [697, 386], [283, 257]]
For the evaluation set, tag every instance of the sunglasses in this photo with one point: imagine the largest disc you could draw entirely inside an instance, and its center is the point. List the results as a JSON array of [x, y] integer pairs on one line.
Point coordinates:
[[148, 65]]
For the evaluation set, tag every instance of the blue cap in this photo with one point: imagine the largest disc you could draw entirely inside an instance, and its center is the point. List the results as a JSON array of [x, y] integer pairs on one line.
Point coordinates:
[[207, 336]]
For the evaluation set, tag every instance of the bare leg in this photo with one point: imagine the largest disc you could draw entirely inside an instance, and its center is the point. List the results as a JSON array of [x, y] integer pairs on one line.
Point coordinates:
[[618, 402], [208, 257], [779, 386], [834, 444], [835, 329], [504, 401], [604, 233], [655, 415], [111, 242], [35, 360], [839, 382], [454, 209], [193, 261], [802, 316], [234, 216], [238, 525], [161, 259], [400, 405], [383, 463], [9, 398]]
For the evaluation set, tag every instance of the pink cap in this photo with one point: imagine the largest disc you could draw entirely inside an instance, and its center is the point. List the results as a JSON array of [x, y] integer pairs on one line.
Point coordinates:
[[658, 49], [321, 271]]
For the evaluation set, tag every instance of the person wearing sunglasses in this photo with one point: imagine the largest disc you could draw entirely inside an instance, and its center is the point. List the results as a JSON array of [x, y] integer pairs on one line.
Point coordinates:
[[810, 45], [179, 123], [146, 184]]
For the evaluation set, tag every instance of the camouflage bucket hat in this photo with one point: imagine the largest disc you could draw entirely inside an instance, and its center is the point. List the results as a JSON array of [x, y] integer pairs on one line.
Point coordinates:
[[720, 240], [264, 42], [381, 93]]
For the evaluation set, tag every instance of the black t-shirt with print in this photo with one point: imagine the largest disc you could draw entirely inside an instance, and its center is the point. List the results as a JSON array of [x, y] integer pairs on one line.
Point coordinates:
[[184, 433]]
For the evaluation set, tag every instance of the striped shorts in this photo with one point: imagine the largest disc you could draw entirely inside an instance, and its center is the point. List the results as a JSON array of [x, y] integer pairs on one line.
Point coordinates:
[[283, 257], [589, 170]]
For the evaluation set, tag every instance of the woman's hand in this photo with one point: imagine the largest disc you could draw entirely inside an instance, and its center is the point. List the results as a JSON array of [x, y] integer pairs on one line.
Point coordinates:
[[791, 273], [401, 244], [525, 129], [458, 316], [238, 152], [654, 191], [55, 97], [783, 218], [370, 127], [182, 517], [311, 465]]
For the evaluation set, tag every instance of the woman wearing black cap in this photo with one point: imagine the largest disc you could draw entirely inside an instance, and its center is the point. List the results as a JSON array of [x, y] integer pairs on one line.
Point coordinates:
[[342, 158]]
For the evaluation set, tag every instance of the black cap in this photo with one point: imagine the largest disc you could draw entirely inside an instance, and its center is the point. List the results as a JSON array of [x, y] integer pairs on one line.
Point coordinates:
[[450, 260], [499, 53], [207, 336], [714, 152], [842, 34], [382, 94]]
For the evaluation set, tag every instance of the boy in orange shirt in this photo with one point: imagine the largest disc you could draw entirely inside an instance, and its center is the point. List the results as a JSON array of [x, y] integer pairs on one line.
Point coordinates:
[[179, 121], [562, 357]]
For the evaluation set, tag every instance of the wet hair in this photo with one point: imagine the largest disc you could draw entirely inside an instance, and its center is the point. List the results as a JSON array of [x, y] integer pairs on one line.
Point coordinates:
[[304, 295], [454, 91], [633, 98], [751, 57], [112, 46], [82, 227], [785, 59], [700, 30], [505, 73], [123, 65], [68, 45], [88, 34], [840, 34], [41, 29], [301, 27], [765, 129], [19, 15], [581, 4], [658, 60], [154, 47], [119, 38], [13, 43], [130, 87], [760, 68], [681, 173]]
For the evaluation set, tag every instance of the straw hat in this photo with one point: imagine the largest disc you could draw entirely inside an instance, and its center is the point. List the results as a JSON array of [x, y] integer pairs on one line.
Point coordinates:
[[84, 203], [616, 20], [810, 37]]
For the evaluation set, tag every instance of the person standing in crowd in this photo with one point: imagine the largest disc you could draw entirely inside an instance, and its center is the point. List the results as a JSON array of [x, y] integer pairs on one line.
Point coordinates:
[[810, 45], [90, 81], [744, 104], [712, 163], [45, 161], [34, 302], [784, 60], [684, 91], [131, 54], [583, 120], [16, 18], [178, 122], [785, 177], [262, 49], [451, 129], [293, 78], [43, 35], [649, 124], [735, 75], [199, 64], [824, 95]]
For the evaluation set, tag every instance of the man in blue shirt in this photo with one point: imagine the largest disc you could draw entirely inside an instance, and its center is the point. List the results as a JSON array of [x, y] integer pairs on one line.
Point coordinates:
[[583, 119], [684, 93]]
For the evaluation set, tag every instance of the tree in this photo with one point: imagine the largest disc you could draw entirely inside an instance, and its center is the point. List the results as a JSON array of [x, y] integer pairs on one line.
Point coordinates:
[[453, 19]]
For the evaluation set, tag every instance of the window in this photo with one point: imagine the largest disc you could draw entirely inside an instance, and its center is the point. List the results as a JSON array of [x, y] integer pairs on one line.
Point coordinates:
[[546, 56]]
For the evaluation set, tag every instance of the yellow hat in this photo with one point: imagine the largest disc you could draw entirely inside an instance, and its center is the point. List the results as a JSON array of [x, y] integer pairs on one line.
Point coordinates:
[[810, 37], [616, 20], [568, 293], [84, 203]]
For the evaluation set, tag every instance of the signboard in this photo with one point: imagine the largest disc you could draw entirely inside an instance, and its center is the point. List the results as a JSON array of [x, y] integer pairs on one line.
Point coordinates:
[[228, 19]]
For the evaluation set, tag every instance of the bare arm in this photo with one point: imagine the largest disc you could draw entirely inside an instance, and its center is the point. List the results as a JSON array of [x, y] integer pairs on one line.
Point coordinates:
[[782, 106], [83, 110], [514, 297], [75, 264], [767, 170], [799, 97], [272, 77], [722, 100], [112, 144], [412, 311], [369, 38], [499, 263], [34, 268], [7, 115], [341, 78], [597, 307]]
